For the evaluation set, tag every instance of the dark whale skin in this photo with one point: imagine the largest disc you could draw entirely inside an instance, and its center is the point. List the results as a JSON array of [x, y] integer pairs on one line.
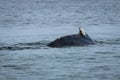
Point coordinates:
[[72, 40]]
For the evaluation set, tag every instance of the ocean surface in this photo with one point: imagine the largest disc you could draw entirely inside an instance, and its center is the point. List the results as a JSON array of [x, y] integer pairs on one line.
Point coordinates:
[[27, 26]]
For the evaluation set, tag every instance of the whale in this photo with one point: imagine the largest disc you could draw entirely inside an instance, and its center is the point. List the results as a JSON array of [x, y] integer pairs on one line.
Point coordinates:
[[79, 39]]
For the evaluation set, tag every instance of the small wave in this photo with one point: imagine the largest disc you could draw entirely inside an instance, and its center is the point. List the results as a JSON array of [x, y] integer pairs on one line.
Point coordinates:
[[111, 41], [13, 66], [22, 46], [104, 52], [17, 48]]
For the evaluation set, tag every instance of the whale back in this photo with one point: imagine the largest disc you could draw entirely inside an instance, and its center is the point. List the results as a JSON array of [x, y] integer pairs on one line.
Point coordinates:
[[72, 40]]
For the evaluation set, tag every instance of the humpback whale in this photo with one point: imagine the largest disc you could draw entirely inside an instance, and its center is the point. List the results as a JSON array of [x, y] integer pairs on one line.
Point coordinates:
[[80, 39]]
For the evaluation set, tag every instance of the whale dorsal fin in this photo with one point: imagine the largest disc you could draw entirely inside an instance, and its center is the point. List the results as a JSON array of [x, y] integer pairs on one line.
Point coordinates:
[[82, 32]]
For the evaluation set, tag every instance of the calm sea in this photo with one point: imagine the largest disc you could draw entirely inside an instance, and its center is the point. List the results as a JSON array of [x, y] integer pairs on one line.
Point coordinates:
[[27, 26]]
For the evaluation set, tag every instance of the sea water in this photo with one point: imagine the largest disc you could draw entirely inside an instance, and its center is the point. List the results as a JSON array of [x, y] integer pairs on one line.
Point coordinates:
[[27, 26]]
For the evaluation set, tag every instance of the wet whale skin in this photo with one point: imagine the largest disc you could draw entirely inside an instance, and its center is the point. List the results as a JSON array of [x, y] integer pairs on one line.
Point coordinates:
[[71, 40]]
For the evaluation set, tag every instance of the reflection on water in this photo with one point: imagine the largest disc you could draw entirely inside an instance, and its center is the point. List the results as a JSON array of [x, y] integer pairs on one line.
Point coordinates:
[[27, 26]]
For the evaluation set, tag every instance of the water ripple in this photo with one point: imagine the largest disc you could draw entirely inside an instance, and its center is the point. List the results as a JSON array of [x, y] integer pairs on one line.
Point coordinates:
[[22, 46], [110, 41]]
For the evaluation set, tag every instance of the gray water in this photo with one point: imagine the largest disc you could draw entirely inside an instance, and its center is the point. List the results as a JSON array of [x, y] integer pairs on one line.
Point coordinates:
[[27, 26]]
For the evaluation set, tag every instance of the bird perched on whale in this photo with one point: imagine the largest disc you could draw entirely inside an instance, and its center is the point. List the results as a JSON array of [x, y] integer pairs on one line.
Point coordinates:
[[79, 39]]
